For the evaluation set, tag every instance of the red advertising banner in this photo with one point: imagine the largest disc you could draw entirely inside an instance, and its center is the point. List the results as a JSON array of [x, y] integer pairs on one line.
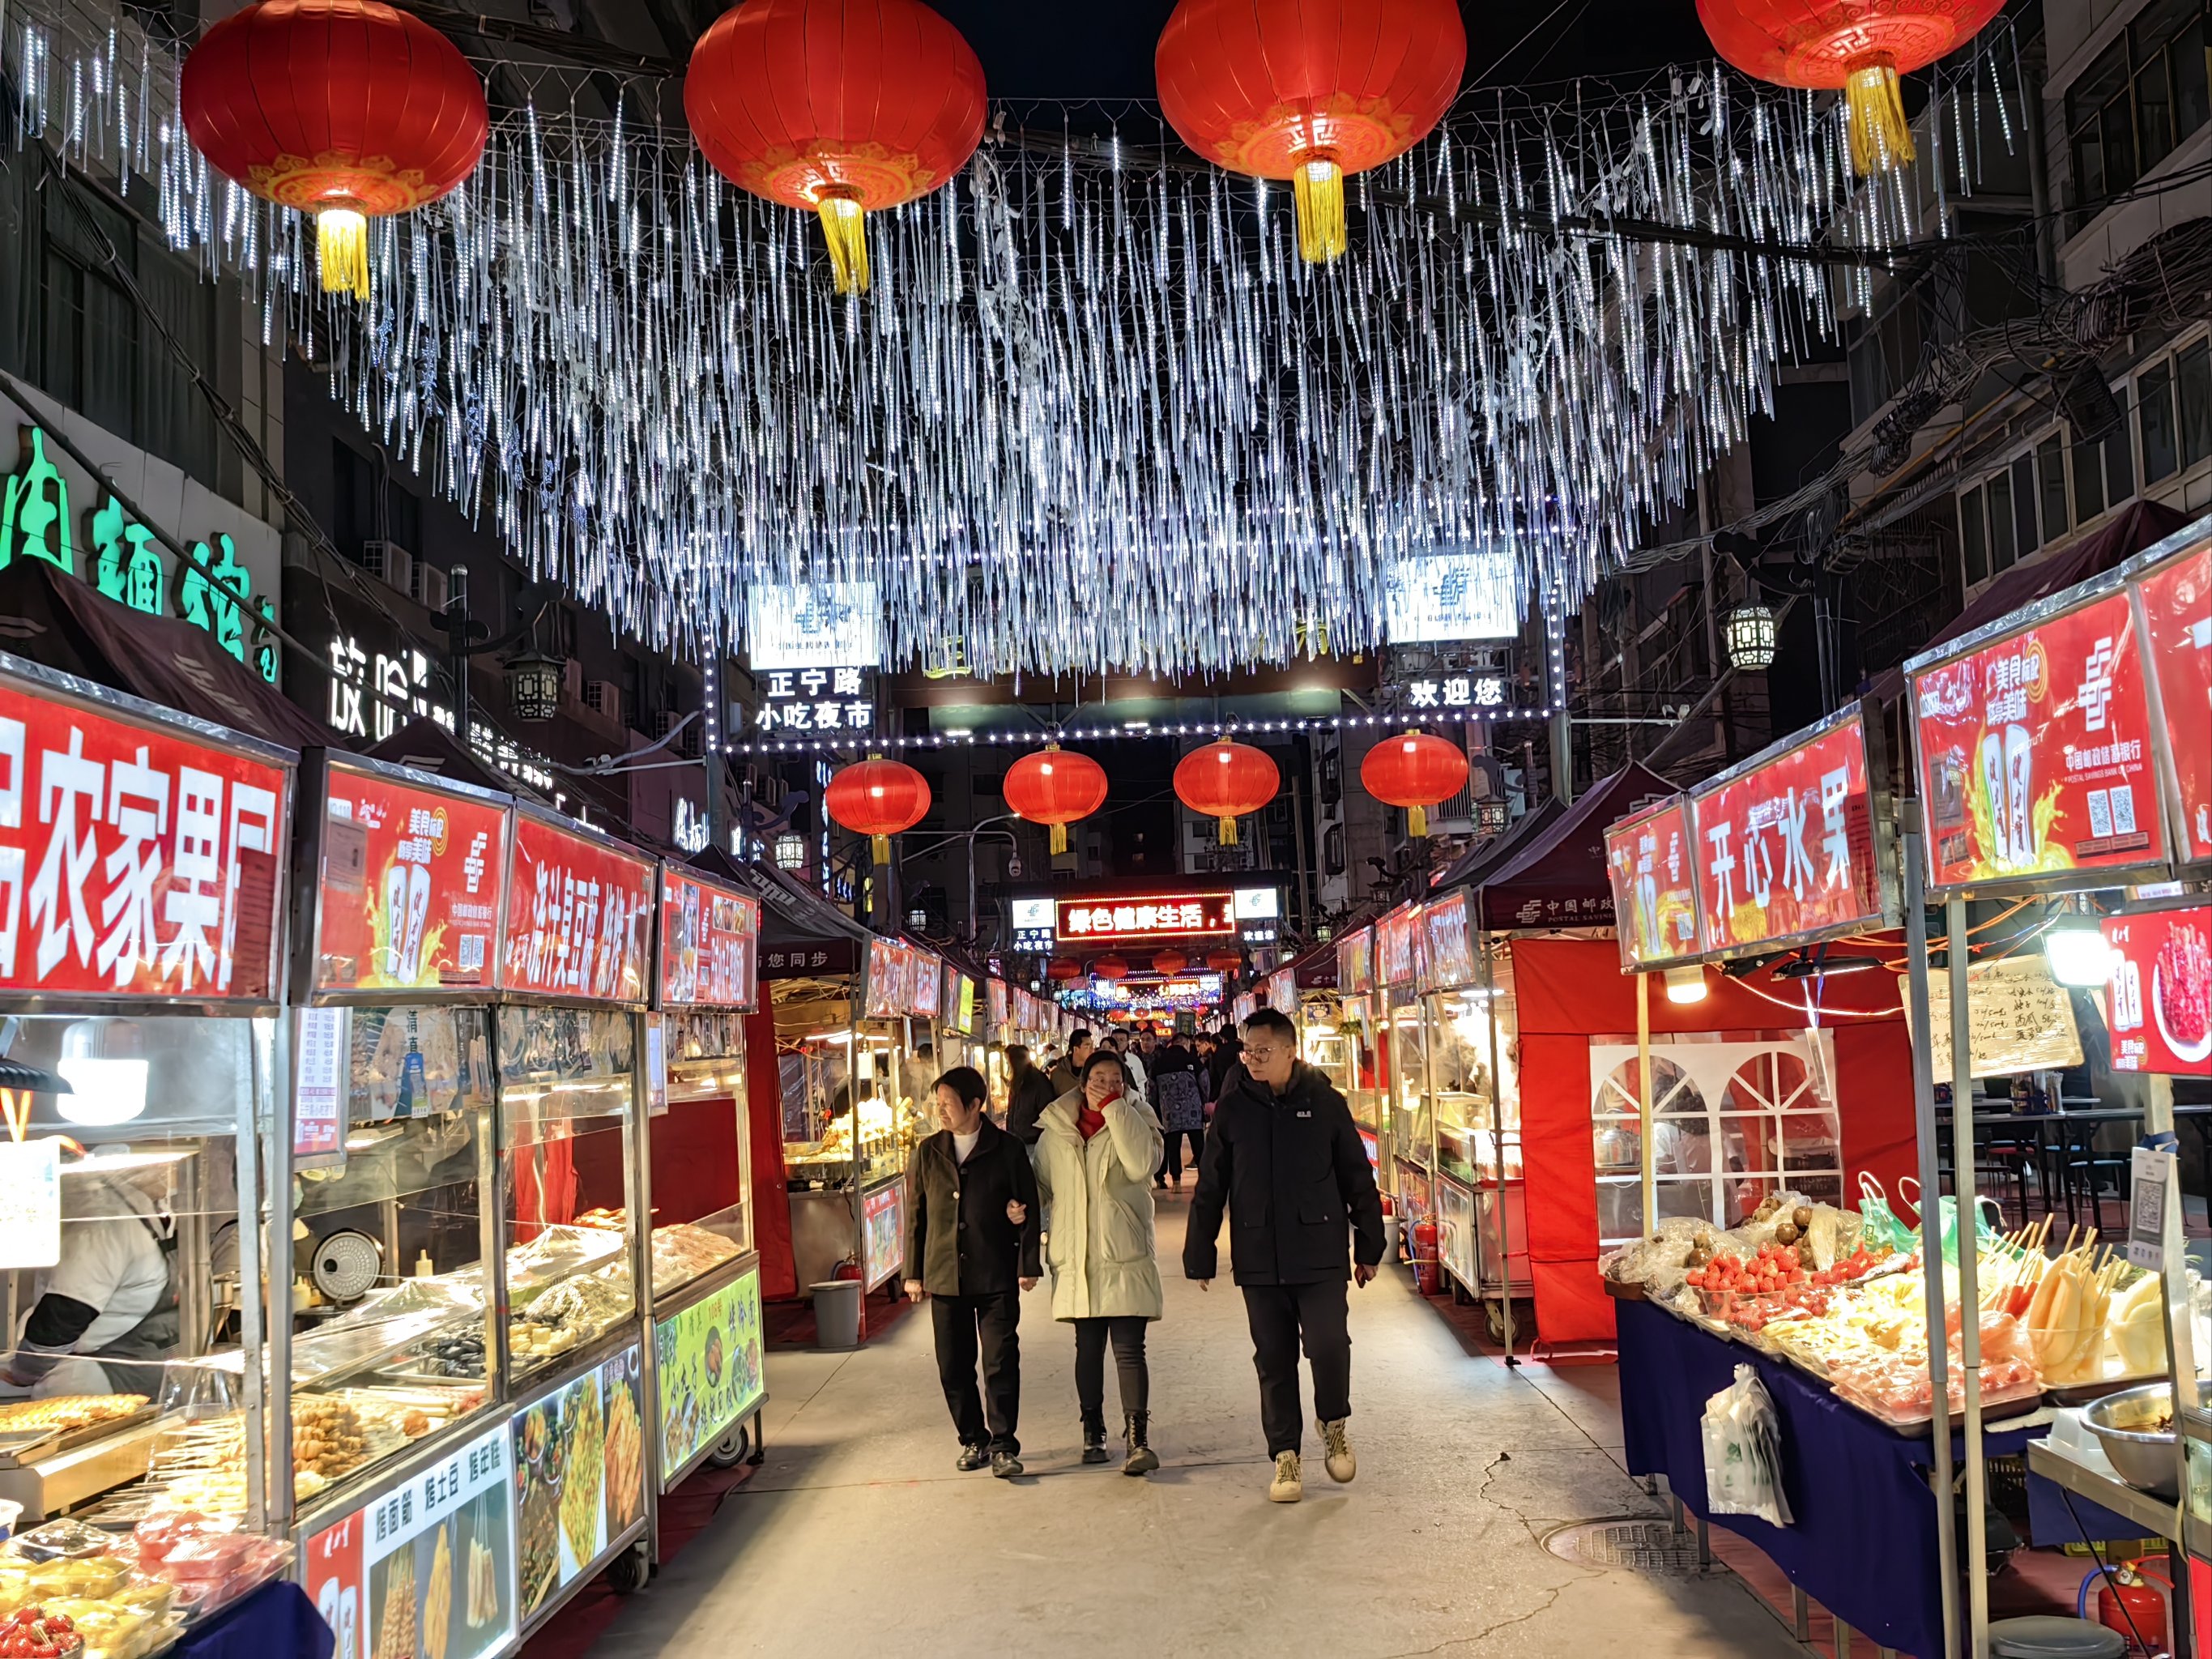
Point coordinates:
[[1785, 845], [995, 1002], [1652, 862], [2035, 752], [925, 983], [1355, 962], [2159, 1001], [135, 860], [890, 979], [579, 912], [710, 943], [1450, 958], [410, 886], [2176, 600], [1394, 945], [1282, 992]]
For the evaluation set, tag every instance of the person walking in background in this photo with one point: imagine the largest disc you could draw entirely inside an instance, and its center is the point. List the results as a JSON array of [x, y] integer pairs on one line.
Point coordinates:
[[1179, 1096], [1132, 1067], [1221, 1063], [1029, 1091], [1069, 1070], [973, 1218], [1096, 1149], [1284, 1159]]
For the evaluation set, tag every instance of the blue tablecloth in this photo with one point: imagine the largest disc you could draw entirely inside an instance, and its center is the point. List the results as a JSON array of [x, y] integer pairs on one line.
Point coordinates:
[[1863, 1543], [278, 1621]]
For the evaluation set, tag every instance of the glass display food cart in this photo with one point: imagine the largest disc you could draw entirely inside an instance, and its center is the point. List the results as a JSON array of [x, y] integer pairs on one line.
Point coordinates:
[[1408, 1125], [708, 1374], [1348, 1052], [143, 873]]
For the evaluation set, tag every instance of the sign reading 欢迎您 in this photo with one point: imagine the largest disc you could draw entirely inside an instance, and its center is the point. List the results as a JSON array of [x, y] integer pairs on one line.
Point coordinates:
[[2036, 755], [135, 860]]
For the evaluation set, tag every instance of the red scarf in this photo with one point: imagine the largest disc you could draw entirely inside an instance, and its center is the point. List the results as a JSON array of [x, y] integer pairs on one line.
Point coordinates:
[[1089, 1121]]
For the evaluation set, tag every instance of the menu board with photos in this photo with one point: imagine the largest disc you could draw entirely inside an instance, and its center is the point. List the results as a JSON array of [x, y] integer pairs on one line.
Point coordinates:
[[409, 895], [579, 916], [926, 985], [2158, 1003], [708, 1372], [890, 979], [1395, 945], [1355, 962], [1650, 860], [139, 857], [1448, 936], [2177, 604], [710, 943], [2036, 754], [1785, 846], [579, 1457]]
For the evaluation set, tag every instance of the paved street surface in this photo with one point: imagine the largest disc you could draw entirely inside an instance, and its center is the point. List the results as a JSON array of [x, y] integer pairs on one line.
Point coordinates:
[[859, 1535]]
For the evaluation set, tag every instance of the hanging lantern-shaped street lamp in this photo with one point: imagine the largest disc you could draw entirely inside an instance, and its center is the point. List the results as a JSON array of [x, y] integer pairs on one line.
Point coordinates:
[[1749, 631]]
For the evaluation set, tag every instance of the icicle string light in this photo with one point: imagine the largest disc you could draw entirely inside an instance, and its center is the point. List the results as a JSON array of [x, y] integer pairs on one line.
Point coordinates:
[[1094, 413]]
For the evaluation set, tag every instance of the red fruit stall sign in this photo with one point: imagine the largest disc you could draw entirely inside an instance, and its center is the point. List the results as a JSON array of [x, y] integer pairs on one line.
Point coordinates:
[[135, 860], [710, 943], [2177, 599], [1785, 844], [2035, 753], [410, 886], [1652, 862], [579, 913], [2158, 1003]]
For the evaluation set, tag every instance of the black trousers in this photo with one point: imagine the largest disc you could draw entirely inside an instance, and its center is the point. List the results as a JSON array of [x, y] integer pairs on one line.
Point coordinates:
[[1172, 1168], [1280, 1315], [1130, 1372], [962, 1324]]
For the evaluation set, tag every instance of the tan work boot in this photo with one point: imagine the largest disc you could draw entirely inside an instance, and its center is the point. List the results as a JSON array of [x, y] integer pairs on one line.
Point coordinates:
[[1287, 1486], [1336, 1446]]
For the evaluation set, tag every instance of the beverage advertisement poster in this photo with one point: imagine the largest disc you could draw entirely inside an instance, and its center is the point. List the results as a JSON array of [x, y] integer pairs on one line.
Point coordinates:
[[428, 1568], [409, 892], [710, 1370], [710, 943], [1650, 860], [579, 1475], [1784, 846], [2177, 601], [2035, 753], [2158, 1004], [884, 1226], [578, 913], [135, 862]]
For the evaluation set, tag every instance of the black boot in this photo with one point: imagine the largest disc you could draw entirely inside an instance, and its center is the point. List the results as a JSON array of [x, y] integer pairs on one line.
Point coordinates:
[[1142, 1459], [1094, 1438]]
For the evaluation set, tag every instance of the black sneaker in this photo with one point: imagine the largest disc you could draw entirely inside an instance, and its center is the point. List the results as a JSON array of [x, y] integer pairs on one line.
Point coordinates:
[[1094, 1443], [1006, 1465], [971, 1459]]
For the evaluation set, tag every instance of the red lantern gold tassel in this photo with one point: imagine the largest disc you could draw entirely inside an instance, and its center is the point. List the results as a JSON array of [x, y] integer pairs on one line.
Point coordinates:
[[1317, 192], [845, 225], [341, 251], [1882, 138]]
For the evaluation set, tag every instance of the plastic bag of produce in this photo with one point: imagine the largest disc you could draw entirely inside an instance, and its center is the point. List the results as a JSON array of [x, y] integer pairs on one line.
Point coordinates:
[[1878, 1222], [1743, 1452]]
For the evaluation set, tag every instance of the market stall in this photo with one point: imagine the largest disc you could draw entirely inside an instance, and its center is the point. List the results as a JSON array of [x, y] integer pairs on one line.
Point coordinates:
[[1408, 1148], [143, 861], [1346, 1046], [707, 1340]]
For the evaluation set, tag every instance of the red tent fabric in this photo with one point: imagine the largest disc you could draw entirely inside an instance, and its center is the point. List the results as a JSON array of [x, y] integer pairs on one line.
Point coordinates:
[[1567, 990], [1558, 878]]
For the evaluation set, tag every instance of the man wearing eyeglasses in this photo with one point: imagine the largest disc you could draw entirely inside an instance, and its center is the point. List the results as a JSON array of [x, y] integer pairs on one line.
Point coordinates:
[[1286, 1163]]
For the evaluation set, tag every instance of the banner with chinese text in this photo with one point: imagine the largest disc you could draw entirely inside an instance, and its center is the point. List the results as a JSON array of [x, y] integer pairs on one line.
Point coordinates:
[[2158, 1004], [579, 913], [1650, 861], [1355, 962], [1449, 961]]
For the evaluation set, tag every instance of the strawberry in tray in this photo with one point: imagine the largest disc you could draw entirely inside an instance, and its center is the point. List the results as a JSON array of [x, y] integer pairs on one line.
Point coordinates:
[[30, 1634]]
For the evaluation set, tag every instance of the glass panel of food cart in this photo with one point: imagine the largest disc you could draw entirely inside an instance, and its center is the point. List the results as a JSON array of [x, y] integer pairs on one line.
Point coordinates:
[[700, 1148], [567, 1085]]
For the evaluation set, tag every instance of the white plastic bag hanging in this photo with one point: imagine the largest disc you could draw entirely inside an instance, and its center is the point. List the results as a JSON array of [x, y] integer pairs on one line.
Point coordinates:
[[1743, 1452]]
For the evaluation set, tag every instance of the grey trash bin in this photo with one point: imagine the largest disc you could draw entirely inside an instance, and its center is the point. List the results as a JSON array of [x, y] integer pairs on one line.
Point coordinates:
[[2041, 1637], [837, 1313]]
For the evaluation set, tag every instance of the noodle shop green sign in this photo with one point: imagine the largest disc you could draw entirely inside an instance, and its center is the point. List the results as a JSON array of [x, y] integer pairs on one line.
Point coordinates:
[[124, 561]]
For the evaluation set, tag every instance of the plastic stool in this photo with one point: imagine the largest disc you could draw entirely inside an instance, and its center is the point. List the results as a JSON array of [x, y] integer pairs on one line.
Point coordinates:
[[2041, 1637]]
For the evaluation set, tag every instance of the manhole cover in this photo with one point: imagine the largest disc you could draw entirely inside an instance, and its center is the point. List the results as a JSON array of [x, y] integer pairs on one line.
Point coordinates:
[[1629, 1542]]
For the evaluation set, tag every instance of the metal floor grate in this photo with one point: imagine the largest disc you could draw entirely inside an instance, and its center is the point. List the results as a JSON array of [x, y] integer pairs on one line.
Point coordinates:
[[1633, 1543]]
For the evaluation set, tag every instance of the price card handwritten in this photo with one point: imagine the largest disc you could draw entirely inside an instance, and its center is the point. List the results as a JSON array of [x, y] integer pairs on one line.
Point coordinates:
[[2020, 1019]]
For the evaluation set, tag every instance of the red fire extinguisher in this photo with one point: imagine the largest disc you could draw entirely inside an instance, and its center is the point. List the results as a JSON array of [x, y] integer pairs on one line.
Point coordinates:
[[2129, 1594], [1427, 1277]]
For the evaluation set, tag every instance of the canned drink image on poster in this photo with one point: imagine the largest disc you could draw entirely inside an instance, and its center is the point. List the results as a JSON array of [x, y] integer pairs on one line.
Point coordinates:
[[2177, 602]]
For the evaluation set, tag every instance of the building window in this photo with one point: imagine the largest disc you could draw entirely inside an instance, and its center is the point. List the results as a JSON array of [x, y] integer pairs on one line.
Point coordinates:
[[2145, 94], [1973, 541], [2162, 447], [2023, 505], [2004, 548], [2051, 478], [2192, 374]]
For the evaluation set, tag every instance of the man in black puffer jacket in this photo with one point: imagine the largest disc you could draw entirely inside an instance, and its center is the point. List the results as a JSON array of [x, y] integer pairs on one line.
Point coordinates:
[[1286, 1161]]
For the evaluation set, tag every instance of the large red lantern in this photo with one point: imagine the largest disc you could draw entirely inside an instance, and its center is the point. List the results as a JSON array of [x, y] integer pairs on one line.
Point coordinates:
[[1110, 968], [835, 107], [1308, 90], [347, 109], [1860, 45], [1223, 962], [1224, 781], [1063, 968], [1055, 788], [1170, 963], [1416, 772], [877, 798]]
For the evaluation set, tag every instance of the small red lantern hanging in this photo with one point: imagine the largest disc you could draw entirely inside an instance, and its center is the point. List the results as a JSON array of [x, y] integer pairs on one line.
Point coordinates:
[[836, 108], [1223, 962], [1417, 771], [1310, 91], [1224, 781], [1063, 968], [1110, 968], [1860, 45], [879, 798], [347, 109], [1170, 963], [1056, 787]]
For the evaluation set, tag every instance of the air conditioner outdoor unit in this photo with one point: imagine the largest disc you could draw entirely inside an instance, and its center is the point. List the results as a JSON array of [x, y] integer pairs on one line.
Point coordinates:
[[390, 563], [433, 586], [603, 698]]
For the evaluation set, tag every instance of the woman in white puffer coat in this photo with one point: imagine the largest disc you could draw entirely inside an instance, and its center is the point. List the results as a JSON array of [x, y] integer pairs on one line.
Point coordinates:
[[1097, 1148]]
